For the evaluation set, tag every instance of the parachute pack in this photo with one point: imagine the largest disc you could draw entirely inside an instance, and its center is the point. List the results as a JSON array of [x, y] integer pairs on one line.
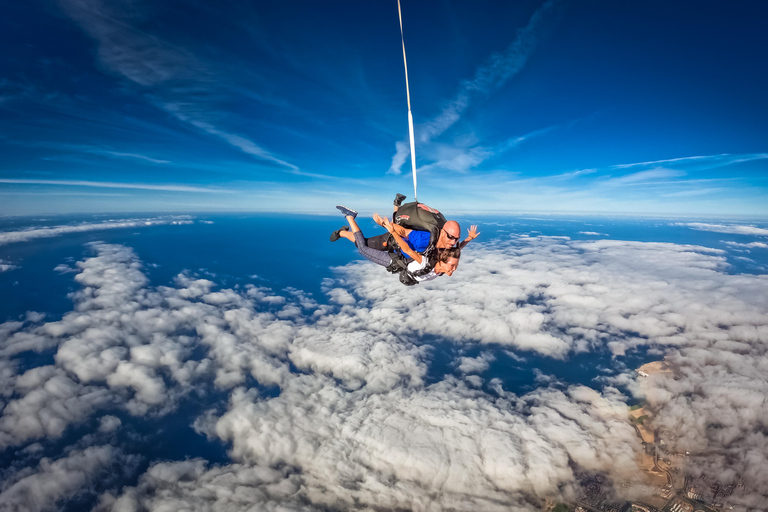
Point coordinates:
[[421, 217]]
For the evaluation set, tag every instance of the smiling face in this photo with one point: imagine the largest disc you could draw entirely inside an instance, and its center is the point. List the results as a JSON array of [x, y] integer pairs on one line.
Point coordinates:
[[448, 267], [449, 235]]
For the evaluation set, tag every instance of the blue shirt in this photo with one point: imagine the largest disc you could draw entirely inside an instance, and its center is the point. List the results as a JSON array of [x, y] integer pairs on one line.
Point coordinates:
[[418, 241]]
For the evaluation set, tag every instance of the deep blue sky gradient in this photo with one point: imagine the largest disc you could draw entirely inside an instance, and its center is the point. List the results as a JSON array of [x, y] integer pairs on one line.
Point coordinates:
[[566, 106]]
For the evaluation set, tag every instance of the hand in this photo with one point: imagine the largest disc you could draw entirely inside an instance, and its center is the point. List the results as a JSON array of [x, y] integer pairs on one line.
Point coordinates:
[[472, 232], [378, 219], [387, 225]]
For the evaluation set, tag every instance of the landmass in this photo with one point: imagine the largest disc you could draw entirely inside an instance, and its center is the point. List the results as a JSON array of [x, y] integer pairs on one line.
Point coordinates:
[[664, 485]]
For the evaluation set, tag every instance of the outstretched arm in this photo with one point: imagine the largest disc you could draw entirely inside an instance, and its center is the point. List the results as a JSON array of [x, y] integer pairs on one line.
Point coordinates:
[[400, 242], [472, 235], [400, 230]]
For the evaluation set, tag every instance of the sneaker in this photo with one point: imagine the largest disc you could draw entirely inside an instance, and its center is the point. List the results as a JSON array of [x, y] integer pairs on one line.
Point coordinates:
[[399, 198], [336, 234], [346, 211]]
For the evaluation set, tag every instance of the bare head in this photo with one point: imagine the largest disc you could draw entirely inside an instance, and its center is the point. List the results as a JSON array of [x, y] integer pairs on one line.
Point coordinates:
[[449, 235], [447, 261]]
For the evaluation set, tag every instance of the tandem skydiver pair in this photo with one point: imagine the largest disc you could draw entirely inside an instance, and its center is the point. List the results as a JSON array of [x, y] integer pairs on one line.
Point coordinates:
[[420, 244]]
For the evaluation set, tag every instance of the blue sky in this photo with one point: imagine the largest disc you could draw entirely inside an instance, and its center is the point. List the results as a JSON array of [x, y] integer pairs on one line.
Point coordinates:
[[563, 106]]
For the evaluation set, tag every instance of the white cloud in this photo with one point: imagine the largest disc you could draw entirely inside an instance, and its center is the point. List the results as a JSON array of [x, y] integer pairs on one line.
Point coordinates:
[[57, 480], [109, 423], [750, 245], [5, 267], [574, 174], [49, 402], [464, 155], [190, 485], [737, 229], [652, 175], [130, 156], [243, 144], [358, 425], [7, 237], [446, 446], [707, 160], [115, 184], [477, 364]]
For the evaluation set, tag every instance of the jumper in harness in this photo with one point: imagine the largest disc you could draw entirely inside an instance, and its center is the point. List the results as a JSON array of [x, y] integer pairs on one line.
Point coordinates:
[[419, 217]]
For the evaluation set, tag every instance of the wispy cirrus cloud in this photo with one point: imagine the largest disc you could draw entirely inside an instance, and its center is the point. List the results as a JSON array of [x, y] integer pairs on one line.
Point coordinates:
[[575, 174], [648, 176], [25, 235], [694, 192], [128, 156], [115, 184], [708, 160], [172, 76], [464, 154], [666, 168], [93, 150], [490, 76], [243, 144]]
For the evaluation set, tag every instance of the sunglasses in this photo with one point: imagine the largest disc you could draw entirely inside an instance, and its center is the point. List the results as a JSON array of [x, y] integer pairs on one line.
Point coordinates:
[[450, 236]]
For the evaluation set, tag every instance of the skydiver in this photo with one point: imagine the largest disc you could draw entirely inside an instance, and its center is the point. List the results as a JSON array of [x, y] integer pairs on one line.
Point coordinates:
[[421, 227], [421, 267]]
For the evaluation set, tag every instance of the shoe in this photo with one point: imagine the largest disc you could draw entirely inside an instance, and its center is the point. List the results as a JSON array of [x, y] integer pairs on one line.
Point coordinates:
[[346, 211], [336, 234], [399, 198]]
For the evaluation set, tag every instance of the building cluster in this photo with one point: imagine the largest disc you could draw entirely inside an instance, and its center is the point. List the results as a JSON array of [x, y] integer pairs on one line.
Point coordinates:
[[681, 506], [712, 492], [663, 493], [698, 494], [595, 497]]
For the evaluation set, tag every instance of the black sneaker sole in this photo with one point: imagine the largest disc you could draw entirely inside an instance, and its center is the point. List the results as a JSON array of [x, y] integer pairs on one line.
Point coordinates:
[[336, 234]]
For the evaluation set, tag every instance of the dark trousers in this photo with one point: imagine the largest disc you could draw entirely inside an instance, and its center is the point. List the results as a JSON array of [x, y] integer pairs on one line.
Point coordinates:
[[375, 255]]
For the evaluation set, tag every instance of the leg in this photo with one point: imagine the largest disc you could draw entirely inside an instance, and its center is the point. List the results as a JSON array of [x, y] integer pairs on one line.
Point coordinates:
[[379, 257], [352, 224], [345, 233]]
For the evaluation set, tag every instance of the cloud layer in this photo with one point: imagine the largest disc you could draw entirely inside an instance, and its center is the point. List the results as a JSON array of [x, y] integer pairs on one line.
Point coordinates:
[[354, 422]]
